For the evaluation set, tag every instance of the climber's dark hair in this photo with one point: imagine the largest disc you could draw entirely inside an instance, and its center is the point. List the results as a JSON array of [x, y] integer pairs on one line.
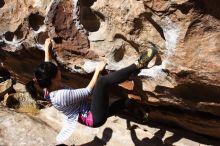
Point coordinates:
[[44, 73], [31, 88], [4, 74]]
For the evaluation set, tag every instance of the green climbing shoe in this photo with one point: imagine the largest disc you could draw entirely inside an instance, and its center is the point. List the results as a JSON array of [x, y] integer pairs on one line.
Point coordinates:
[[146, 57]]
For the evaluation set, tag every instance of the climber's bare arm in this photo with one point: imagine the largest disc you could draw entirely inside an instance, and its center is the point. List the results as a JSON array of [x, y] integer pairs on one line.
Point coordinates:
[[99, 68], [47, 50]]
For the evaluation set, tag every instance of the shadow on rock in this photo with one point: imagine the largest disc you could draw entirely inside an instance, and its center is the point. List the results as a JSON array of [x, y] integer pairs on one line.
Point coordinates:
[[106, 136], [156, 140], [178, 133]]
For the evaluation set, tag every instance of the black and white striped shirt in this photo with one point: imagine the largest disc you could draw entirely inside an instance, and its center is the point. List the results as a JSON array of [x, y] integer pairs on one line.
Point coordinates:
[[70, 102]]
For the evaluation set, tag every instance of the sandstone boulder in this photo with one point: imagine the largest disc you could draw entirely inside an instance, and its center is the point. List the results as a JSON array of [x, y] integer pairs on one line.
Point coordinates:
[[186, 33], [5, 87], [22, 130], [119, 131]]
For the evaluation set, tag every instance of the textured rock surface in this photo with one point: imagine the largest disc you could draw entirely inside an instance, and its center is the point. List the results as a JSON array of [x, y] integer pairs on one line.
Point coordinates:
[[120, 132], [22, 130], [5, 88], [85, 31]]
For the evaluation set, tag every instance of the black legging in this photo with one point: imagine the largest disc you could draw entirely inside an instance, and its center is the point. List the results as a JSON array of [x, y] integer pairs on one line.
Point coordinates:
[[100, 102]]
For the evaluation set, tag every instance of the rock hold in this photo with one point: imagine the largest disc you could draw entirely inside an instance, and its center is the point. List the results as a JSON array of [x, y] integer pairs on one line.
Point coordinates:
[[5, 87]]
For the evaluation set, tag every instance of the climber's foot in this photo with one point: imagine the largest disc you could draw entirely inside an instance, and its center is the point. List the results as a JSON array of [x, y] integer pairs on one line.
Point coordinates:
[[146, 57]]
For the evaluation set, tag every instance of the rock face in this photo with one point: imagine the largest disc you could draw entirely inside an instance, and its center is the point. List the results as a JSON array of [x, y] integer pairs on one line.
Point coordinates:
[[134, 134], [186, 32], [5, 87], [19, 129], [23, 130]]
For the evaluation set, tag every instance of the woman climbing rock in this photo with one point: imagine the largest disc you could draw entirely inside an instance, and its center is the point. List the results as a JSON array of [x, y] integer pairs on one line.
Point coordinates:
[[72, 102]]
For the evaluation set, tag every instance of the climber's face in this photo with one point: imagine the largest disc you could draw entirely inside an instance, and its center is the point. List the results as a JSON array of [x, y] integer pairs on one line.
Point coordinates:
[[57, 78], [59, 75]]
